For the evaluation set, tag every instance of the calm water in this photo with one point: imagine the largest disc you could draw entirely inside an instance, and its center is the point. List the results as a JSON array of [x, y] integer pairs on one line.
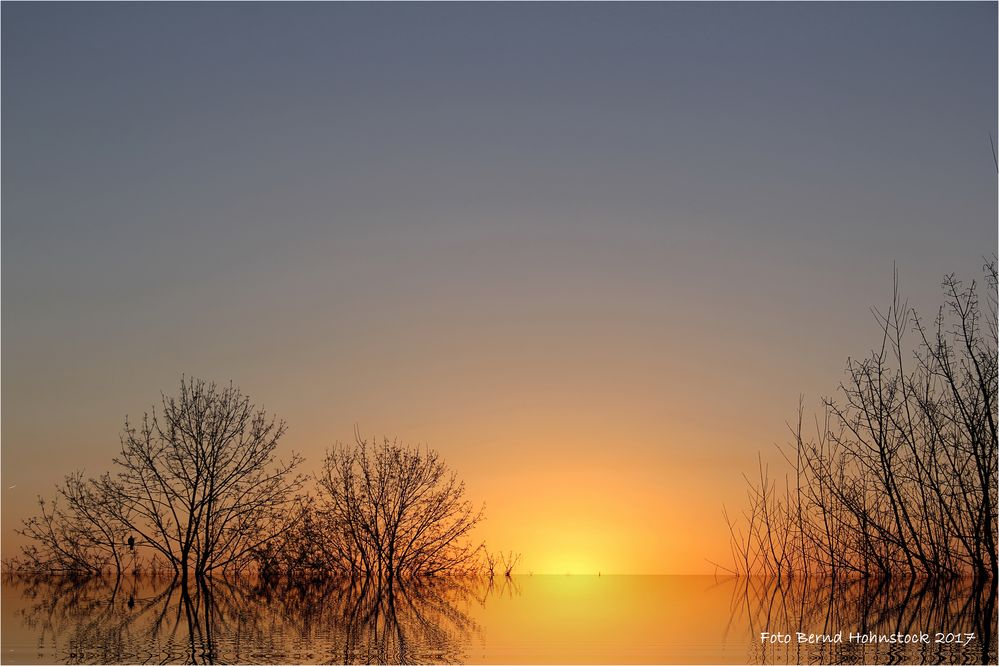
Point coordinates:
[[527, 619]]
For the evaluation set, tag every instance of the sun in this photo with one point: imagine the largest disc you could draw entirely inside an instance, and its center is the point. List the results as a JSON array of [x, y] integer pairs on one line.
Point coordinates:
[[570, 564]]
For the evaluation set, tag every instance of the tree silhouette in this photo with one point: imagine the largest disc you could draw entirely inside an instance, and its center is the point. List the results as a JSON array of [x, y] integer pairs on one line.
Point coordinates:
[[78, 532], [900, 476], [199, 481], [393, 511]]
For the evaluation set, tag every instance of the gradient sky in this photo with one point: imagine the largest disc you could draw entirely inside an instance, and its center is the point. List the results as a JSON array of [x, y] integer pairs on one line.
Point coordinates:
[[592, 253]]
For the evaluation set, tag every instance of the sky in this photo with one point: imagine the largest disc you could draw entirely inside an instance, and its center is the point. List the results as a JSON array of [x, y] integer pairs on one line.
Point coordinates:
[[591, 253]]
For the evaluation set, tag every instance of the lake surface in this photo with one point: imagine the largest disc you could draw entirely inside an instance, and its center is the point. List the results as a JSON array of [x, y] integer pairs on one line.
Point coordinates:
[[525, 619]]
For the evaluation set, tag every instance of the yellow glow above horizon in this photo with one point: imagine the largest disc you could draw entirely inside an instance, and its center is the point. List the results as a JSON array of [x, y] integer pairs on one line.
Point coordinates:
[[603, 517]]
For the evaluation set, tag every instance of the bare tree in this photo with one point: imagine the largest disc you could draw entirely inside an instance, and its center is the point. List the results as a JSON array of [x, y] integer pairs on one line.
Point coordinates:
[[77, 532], [395, 511], [199, 489], [901, 474], [199, 481], [490, 563], [510, 561]]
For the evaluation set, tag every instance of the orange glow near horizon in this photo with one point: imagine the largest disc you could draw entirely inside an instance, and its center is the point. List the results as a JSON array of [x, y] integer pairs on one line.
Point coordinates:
[[611, 514]]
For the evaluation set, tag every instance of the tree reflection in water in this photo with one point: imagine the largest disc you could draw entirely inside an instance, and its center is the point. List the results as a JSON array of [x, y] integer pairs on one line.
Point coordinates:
[[885, 606], [436, 620], [216, 621]]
